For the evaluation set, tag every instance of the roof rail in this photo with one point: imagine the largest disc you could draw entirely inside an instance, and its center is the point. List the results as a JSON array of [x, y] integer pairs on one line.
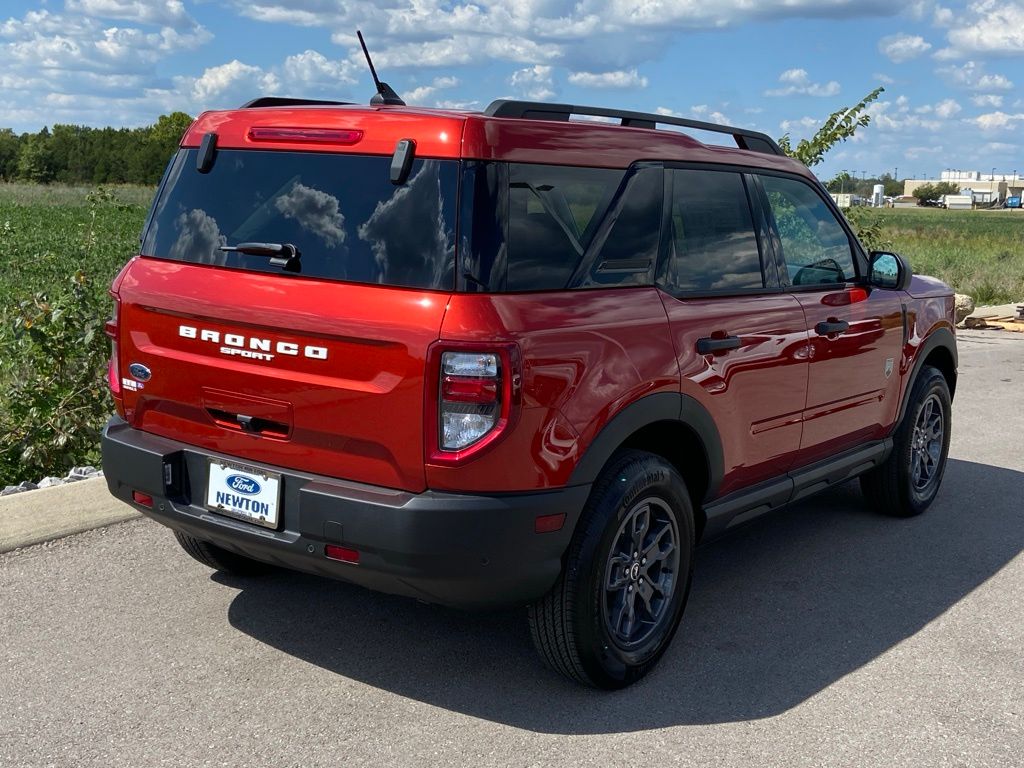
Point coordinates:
[[537, 110], [284, 101]]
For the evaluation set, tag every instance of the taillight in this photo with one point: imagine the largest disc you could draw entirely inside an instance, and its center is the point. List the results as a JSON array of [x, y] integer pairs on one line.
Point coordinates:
[[113, 367], [475, 399], [470, 397]]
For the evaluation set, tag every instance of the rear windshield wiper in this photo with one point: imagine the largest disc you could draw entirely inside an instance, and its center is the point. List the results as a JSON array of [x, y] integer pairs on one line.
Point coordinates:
[[284, 255]]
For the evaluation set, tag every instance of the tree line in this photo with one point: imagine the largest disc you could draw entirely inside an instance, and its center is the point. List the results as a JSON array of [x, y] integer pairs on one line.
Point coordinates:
[[77, 154]]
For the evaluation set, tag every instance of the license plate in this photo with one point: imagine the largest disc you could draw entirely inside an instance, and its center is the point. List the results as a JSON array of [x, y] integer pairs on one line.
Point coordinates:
[[245, 493]]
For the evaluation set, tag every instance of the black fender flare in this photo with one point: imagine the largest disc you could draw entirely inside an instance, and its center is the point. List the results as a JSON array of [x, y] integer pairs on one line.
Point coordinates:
[[940, 337], [651, 409]]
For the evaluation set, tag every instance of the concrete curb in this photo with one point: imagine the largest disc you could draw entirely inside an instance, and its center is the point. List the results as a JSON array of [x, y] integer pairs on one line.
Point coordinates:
[[51, 513]]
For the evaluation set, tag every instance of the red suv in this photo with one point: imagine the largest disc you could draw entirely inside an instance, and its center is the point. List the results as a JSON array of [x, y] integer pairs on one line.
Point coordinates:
[[509, 357]]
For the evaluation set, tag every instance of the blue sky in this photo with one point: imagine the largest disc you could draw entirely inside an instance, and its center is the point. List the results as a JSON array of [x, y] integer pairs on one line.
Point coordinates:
[[953, 72]]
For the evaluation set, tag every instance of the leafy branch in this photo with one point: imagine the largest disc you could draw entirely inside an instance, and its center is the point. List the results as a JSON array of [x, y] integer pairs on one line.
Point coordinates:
[[840, 126]]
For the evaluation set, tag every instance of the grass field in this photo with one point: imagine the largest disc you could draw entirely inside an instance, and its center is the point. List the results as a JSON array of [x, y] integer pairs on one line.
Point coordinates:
[[47, 233], [53, 353], [980, 253]]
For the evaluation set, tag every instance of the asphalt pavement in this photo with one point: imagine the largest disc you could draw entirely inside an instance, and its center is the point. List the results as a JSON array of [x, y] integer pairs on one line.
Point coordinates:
[[822, 636]]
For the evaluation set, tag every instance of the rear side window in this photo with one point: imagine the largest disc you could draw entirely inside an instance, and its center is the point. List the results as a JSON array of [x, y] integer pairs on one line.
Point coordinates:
[[815, 247], [342, 212], [542, 228], [712, 242], [553, 212]]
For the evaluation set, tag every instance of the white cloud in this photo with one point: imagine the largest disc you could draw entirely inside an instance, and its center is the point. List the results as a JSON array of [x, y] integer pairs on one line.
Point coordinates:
[[586, 36], [997, 121], [701, 112], [804, 123], [900, 48], [883, 78], [902, 120], [162, 12], [421, 94], [972, 75], [796, 82], [942, 17], [245, 80], [987, 100], [311, 69], [916, 153], [534, 82], [987, 27], [614, 79], [947, 108]]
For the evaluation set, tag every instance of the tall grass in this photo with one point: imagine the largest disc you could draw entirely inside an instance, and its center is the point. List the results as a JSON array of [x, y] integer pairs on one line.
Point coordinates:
[[980, 253]]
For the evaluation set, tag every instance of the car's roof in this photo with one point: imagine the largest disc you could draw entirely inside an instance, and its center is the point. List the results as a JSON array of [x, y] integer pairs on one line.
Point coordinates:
[[458, 134]]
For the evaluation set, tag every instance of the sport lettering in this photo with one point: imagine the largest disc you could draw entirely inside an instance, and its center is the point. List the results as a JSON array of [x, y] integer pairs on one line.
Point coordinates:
[[251, 347]]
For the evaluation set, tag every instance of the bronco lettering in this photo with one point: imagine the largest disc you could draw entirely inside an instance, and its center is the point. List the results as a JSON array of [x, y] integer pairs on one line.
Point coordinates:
[[252, 347]]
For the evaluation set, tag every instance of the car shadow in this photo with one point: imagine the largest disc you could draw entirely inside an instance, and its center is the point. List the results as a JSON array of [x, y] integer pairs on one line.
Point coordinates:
[[779, 611]]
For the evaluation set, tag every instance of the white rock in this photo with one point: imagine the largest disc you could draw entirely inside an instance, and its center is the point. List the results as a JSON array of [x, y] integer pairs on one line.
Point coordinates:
[[50, 482], [963, 306]]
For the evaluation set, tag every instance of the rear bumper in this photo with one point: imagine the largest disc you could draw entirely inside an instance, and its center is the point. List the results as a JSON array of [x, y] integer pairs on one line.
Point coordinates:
[[452, 549]]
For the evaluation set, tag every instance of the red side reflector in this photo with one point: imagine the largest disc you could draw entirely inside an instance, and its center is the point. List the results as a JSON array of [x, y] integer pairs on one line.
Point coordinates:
[[344, 554], [113, 378], [458, 389], [306, 135], [142, 498], [851, 296], [549, 523]]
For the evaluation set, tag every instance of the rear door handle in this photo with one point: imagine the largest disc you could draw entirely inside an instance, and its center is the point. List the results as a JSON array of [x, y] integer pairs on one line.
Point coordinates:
[[832, 327], [710, 345]]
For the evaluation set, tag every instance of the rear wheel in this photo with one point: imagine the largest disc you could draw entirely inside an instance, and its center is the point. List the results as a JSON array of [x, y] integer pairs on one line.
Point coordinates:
[[908, 481], [617, 604], [220, 559]]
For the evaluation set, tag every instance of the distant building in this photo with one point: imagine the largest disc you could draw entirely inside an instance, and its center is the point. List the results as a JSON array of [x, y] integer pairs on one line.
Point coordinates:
[[984, 188]]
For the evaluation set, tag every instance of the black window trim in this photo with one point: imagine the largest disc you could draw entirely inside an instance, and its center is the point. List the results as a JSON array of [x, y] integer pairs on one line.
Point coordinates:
[[769, 265], [860, 260]]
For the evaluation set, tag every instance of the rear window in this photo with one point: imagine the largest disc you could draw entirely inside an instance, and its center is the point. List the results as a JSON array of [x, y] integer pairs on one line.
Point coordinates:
[[347, 219]]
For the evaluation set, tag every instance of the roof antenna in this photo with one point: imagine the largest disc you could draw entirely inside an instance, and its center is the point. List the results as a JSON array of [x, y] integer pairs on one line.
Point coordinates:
[[385, 94]]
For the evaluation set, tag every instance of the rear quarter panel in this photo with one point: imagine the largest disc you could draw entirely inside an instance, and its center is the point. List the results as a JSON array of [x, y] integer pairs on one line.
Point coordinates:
[[586, 355]]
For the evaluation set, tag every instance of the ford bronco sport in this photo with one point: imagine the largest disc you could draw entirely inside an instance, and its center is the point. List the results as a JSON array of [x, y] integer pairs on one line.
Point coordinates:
[[510, 358]]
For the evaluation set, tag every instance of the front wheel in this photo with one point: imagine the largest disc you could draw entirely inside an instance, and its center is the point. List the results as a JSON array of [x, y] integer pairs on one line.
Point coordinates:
[[617, 604], [907, 482]]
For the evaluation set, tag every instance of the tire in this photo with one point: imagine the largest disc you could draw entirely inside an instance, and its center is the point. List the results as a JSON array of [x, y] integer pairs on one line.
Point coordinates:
[[584, 627], [220, 559], [906, 483]]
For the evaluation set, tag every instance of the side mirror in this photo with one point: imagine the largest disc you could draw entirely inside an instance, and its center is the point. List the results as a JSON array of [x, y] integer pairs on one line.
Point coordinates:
[[889, 270]]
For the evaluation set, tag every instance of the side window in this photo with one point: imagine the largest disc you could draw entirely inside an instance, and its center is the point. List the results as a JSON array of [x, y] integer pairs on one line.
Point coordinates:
[[553, 214], [712, 242], [625, 251], [815, 247]]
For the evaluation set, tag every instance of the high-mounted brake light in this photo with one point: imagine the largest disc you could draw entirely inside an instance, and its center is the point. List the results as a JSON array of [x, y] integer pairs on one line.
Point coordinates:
[[306, 135]]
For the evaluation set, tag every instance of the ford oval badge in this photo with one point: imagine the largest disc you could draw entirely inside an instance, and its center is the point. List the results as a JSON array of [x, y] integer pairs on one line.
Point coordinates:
[[245, 485], [139, 371]]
